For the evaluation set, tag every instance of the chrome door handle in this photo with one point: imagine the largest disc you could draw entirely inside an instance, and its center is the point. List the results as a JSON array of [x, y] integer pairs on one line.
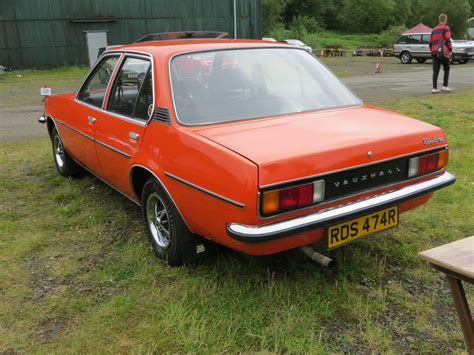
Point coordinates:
[[91, 119], [133, 135]]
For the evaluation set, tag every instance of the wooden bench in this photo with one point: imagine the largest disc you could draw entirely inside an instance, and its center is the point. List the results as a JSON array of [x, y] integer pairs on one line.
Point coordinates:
[[456, 260]]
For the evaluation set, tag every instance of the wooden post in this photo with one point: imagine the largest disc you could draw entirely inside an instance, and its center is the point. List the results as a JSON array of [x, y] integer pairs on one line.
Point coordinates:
[[464, 313]]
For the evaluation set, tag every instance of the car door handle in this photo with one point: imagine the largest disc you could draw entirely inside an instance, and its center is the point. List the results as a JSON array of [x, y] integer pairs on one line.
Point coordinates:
[[133, 135], [91, 119]]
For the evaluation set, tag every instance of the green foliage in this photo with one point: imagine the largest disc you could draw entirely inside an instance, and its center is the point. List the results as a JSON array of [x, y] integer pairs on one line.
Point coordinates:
[[390, 35], [302, 25], [305, 17], [366, 16], [427, 11], [272, 11], [402, 12]]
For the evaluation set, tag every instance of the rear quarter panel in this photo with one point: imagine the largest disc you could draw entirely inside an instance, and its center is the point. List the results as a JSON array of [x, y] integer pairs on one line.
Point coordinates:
[[184, 154]]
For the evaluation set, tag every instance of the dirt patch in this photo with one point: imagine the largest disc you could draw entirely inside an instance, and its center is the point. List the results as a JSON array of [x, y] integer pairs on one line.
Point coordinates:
[[52, 329], [42, 282]]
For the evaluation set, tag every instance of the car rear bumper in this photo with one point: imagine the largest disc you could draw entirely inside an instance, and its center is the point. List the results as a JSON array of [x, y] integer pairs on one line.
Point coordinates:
[[320, 219]]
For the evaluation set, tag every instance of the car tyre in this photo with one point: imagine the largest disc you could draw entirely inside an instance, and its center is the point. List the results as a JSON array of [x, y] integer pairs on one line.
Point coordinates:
[[406, 58], [64, 163], [165, 227], [421, 60], [463, 61]]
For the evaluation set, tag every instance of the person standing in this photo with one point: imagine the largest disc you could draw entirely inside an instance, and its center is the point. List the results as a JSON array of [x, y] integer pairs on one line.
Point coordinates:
[[441, 48]]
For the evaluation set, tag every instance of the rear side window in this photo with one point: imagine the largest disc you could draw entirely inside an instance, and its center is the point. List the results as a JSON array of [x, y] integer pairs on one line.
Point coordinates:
[[402, 40], [132, 92], [425, 39], [93, 90], [415, 39]]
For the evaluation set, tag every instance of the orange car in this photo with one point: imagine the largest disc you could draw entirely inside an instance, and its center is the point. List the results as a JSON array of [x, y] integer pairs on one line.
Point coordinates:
[[251, 144]]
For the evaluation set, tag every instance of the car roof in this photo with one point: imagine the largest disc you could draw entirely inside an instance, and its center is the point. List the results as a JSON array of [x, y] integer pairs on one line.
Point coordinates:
[[191, 45]]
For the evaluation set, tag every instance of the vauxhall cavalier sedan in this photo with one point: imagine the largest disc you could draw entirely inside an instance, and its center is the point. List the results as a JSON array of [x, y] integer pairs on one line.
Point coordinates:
[[254, 145]]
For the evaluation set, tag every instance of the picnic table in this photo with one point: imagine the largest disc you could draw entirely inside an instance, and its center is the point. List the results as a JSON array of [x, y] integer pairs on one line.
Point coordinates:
[[456, 261]]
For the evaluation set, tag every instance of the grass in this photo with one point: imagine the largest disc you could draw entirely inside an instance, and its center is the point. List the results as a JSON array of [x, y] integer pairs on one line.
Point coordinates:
[[21, 87], [77, 274]]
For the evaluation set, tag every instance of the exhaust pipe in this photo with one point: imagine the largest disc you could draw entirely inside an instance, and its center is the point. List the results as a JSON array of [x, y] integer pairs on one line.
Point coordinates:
[[317, 257]]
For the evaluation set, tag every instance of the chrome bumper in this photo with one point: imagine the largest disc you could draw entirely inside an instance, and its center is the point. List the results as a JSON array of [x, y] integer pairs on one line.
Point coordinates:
[[252, 234], [42, 119]]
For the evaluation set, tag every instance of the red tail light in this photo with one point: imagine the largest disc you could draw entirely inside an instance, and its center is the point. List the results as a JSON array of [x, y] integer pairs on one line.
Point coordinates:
[[427, 163], [291, 198], [296, 196]]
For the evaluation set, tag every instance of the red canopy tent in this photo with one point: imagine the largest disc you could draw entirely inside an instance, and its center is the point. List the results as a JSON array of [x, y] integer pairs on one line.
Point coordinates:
[[420, 28]]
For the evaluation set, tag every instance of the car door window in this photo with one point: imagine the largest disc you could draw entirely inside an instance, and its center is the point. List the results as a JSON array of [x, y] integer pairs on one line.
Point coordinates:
[[415, 39], [425, 39], [93, 90], [131, 93], [144, 103], [402, 40]]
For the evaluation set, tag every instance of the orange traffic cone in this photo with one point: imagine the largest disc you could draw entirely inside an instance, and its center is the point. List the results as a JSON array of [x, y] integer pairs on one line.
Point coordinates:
[[378, 67]]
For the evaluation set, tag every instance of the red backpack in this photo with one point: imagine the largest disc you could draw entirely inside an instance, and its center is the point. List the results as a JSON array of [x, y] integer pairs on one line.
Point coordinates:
[[442, 52]]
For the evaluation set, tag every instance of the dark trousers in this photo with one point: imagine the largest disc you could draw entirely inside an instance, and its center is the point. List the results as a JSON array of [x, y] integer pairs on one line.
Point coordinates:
[[436, 66]]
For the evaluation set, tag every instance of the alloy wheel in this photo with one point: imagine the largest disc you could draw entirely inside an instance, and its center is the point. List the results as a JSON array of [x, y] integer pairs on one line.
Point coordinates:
[[59, 151], [158, 220]]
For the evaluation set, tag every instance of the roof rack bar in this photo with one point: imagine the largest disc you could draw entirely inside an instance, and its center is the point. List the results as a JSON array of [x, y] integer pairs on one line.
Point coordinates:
[[166, 36]]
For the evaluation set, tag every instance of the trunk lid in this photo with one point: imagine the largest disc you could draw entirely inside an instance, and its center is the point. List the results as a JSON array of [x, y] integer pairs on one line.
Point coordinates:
[[300, 145]]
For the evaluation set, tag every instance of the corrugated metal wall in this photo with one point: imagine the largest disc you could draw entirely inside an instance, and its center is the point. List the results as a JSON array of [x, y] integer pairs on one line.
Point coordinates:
[[40, 33]]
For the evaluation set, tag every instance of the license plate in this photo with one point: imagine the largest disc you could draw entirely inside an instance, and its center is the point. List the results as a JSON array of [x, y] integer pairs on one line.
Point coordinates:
[[349, 231]]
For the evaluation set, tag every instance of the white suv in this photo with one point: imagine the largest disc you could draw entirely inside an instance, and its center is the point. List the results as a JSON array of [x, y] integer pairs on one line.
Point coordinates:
[[415, 46]]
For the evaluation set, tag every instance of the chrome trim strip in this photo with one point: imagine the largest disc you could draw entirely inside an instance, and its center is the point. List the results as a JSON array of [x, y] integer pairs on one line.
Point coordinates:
[[105, 54], [121, 55], [75, 130], [162, 184], [105, 182], [125, 118], [440, 147], [213, 194], [345, 197], [128, 156], [108, 89], [253, 118], [321, 219]]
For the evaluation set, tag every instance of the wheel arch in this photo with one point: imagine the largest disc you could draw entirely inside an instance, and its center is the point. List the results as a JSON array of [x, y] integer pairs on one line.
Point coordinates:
[[138, 175], [51, 125]]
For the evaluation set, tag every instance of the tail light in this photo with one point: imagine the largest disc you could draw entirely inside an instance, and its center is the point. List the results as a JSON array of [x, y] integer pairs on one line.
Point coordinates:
[[427, 163], [291, 198]]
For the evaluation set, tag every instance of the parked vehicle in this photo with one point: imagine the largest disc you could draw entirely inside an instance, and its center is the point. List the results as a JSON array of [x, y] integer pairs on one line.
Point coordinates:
[[298, 43], [250, 144], [415, 46]]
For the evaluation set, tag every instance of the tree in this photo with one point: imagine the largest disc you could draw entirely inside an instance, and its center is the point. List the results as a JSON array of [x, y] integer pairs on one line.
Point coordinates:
[[427, 11], [402, 12], [272, 14], [369, 16]]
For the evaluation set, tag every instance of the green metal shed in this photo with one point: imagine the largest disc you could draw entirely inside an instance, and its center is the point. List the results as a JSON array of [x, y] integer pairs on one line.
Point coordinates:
[[44, 33]]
